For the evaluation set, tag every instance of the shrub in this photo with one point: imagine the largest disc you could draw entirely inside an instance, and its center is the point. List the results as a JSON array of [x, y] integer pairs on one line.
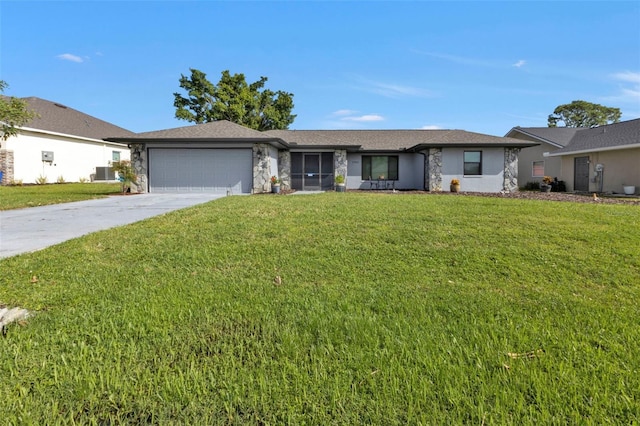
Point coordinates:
[[126, 174], [531, 186], [60, 179], [41, 180]]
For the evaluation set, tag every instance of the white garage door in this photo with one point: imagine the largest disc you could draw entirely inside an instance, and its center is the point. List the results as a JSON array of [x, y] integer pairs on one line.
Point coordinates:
[[200, 170]]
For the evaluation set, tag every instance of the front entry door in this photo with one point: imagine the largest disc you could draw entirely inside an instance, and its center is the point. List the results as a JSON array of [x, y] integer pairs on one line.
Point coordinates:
[[311, 172], [581, 174]]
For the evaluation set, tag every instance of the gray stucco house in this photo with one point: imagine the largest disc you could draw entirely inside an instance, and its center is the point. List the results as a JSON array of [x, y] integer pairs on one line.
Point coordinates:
[[225, 157]]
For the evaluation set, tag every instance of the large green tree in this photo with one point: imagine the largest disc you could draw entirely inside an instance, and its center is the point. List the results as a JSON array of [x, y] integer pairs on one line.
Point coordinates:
[[13, 114], [232, 99], [583, 114]]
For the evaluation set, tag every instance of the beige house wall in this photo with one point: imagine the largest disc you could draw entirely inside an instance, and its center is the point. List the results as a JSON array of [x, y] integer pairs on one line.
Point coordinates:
[[552, 165], [620, 167]]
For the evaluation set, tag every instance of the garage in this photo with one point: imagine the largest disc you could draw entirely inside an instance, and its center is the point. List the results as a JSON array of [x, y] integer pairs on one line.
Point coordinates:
[[200, 170]]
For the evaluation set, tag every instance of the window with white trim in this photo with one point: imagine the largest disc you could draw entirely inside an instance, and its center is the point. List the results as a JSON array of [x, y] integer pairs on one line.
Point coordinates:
[[472, 163], [380, 167], [537, 169]]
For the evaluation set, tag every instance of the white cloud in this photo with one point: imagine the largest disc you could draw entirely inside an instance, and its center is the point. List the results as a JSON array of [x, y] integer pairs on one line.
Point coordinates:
[[458, 59], [628, 76], [520, 63], [431, 127], [70, 57], [629, 88], [364, 118], [396, 90], [391, 90], [343, 112]]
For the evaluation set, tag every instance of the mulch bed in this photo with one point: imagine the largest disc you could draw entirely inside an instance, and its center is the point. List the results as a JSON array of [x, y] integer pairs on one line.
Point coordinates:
[[536, 195]]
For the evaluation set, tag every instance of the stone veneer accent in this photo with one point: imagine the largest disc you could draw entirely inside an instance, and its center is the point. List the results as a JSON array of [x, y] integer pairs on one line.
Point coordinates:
[[261, 168], [433, 168], [511, 169], [340, 163], [284, 169], [140, 166], [6, 166]]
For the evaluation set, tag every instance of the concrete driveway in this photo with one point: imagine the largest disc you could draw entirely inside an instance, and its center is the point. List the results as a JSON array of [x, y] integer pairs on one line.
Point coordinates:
[[35, 228]]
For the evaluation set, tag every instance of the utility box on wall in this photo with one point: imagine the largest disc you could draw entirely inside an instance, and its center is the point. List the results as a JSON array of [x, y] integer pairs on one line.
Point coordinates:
[[47, 156]]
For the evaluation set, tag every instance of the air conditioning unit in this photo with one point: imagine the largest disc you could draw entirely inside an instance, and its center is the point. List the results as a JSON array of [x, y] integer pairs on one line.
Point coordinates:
[[105, 173]]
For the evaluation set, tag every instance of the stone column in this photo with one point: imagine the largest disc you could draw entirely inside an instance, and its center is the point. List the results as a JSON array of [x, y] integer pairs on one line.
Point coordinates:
[[6, 166], [433, 170], [140, 167], [510, 173], [261, 168], [284, 169], [340, 163]]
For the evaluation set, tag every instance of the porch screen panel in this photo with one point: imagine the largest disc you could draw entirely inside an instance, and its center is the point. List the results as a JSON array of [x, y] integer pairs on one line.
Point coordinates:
[[296, 170]]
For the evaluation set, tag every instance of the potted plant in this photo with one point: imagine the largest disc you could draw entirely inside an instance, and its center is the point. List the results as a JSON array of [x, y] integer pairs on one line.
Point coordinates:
[[628, 189], [275, 184], [455, 185], [546, 184], [340, 184]]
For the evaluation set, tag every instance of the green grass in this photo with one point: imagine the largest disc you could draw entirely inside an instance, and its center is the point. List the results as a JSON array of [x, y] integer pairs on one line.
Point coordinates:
[[393, 309], [18, 197]]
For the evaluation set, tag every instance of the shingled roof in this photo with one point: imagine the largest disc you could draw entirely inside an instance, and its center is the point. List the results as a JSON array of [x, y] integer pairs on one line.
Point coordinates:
[[353, 140], [623, 135], [222, 130], [58, 118], [386, 140], [556, 136]]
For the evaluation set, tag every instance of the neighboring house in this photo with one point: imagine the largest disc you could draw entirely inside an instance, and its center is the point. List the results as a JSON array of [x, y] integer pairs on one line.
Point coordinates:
[[222, 156], [599, 159], [602, 159], [61, 143], [534, 162]]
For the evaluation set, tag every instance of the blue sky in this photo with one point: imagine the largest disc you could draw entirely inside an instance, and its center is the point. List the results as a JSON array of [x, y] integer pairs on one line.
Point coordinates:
[[479, 66]]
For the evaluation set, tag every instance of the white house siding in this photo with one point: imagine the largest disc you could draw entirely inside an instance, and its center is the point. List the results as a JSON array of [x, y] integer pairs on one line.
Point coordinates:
[[410, 170], [73, 158], [491, 180], [620, 167]]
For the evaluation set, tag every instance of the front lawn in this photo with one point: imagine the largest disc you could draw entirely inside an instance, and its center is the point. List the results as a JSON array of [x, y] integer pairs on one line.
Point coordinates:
[[18, 197], [333, 309]]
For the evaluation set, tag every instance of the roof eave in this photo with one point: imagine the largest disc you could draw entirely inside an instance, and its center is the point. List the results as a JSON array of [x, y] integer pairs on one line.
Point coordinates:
[[65, 135], [350, 148], [423, 146], [531, 135], [590, 150]]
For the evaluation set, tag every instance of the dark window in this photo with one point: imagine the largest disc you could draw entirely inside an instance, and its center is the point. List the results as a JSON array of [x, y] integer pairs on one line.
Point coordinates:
[[380, 167], [473, 163]]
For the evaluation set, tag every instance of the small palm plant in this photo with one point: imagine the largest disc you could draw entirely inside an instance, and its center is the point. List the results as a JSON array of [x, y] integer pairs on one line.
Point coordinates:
[[126, 174]]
